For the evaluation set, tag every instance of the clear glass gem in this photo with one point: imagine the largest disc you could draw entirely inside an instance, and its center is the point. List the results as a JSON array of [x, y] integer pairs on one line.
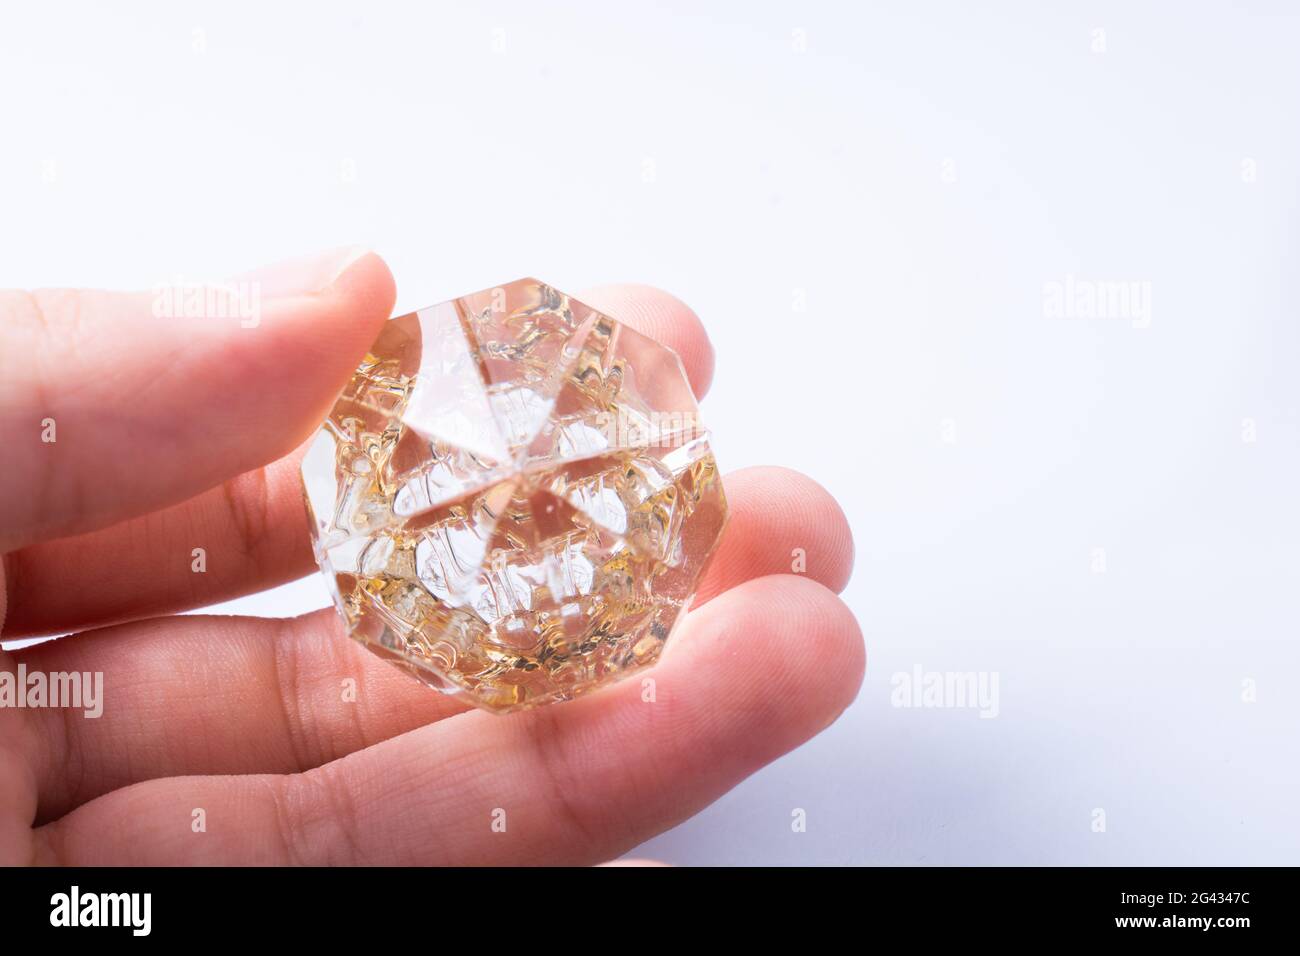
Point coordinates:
[[514, 497]]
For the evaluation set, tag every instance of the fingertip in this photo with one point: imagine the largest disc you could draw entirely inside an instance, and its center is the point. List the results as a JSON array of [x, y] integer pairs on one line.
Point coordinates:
[[759, 671], [811, 644], [782, 521], [812, 514], [664, 318], [313, 342], [341, 314], [367, 284]]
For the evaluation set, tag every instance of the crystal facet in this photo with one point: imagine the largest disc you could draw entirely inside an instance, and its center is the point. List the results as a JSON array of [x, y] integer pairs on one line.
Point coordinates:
[[514, 497]]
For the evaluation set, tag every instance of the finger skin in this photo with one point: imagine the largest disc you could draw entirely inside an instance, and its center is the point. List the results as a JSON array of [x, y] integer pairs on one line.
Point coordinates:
[[760, 669], [633, 863], [18, 783], [252, 527], [664, 318], [147, 412], [800, 529], [196, 694]]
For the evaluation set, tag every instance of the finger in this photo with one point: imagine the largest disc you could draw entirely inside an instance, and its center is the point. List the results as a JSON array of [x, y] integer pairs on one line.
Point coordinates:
[[633, 863], [17, 785], [112, 411], [214, 695], [759, 670], [782, 522], [664, 318], [252, 528], [263, 696], [250, 531]]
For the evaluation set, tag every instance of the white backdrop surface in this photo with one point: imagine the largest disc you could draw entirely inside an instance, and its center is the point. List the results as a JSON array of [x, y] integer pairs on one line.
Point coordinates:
[[868, 205]]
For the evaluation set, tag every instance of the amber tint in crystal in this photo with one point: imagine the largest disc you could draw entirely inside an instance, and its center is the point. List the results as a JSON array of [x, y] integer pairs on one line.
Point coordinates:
[[514, 498]]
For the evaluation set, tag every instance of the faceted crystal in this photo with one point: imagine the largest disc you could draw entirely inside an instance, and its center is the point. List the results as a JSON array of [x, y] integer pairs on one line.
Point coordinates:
[[514, 497]]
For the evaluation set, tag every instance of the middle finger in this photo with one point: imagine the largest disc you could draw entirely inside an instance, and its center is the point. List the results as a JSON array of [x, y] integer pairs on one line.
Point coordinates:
[[209, 695]]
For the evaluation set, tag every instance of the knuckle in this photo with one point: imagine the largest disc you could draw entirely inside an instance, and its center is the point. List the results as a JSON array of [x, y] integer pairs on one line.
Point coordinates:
[[247, 500]]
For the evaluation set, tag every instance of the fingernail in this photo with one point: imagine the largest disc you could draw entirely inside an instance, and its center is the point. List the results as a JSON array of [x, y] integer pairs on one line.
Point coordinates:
[[305, 275]]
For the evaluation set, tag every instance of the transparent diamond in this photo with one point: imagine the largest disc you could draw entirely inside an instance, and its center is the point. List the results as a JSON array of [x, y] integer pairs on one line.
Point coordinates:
[[514, 498]]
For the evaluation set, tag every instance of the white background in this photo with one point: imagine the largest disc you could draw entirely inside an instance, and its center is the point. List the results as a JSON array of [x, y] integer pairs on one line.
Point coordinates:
[[914, 173]]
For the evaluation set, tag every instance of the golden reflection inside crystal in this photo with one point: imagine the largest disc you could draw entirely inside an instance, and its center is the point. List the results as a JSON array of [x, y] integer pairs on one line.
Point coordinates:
[[514, 497]]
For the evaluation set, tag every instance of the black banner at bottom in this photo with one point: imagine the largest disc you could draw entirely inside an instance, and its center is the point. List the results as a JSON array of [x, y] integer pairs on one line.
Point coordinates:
[[333, 906]]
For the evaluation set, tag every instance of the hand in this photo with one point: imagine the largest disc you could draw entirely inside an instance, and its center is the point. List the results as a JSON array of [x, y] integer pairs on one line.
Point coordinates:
[[176, 434]]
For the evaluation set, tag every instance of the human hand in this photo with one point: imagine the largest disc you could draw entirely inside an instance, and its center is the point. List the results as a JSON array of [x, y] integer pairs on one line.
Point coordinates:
[[172, 435]]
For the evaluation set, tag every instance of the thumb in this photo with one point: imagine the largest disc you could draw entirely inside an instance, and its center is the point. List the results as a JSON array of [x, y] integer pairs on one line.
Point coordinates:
[[114, 404]]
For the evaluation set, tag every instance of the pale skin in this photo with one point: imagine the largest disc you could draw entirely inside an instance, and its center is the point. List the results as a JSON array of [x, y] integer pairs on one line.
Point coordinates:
[[179, 434]]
